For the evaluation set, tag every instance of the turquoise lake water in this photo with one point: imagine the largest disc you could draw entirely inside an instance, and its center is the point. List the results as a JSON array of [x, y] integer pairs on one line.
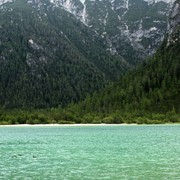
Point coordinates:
[[92, 152]]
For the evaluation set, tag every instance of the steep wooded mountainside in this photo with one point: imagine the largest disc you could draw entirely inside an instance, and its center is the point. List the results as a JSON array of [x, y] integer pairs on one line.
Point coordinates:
[[48, 58], [55, 52], [154, 87]]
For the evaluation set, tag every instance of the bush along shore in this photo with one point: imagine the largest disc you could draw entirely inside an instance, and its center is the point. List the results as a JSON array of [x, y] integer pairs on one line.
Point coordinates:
[[61, 116]]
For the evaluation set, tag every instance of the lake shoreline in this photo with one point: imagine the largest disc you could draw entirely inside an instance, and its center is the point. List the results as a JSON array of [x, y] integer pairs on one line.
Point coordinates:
[[79, 125], [56, 125]]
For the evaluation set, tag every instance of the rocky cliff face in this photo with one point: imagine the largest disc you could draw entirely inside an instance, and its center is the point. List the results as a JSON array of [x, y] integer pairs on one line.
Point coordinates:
[[174, 24], [133, 29]]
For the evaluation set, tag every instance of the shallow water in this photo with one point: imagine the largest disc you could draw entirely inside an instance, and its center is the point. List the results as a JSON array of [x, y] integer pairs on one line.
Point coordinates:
[[90, 152]]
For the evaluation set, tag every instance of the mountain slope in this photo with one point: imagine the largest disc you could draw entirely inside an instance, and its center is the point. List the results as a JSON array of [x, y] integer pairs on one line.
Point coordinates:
[[48, 58], [154, 87], [149, 94], [132, 29]]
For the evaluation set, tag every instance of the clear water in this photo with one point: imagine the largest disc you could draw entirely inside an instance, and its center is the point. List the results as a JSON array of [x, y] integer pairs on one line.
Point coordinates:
[[98, 152]]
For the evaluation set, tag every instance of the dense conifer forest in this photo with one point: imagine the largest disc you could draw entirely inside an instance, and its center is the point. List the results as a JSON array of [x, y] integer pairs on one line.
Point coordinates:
[[149, 94], [48, 58]]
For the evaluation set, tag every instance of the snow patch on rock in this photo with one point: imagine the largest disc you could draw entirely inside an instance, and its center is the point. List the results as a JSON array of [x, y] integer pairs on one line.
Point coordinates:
[[5, 1], [156, 1]]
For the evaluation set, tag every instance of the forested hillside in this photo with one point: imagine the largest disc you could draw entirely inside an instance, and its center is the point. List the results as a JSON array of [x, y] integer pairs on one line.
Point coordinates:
[[148, 88], [153, 88], [149, 94], [48, 58]]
